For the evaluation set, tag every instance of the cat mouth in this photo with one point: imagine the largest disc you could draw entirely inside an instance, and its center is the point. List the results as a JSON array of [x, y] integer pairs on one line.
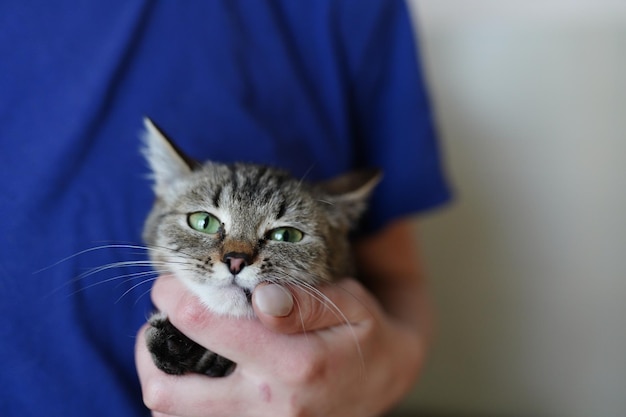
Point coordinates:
[[248, 294]]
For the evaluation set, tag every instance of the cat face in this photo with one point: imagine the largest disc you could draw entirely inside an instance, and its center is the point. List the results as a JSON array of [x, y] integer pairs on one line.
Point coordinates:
[[223, 229]]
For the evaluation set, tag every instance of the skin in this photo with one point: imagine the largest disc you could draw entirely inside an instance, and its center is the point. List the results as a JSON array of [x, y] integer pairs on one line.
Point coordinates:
[[303, 359]]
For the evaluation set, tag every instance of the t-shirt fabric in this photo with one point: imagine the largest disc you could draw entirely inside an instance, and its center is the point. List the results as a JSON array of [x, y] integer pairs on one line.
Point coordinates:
[[317, 87]]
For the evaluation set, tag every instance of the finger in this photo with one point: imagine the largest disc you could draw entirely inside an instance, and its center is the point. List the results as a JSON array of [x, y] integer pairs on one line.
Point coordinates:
[[189, 395], [238, 339], [346, 302], [273, 300], [165, 290]]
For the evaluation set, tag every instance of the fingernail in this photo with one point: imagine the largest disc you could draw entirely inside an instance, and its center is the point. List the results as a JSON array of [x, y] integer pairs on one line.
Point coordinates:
[[273, 300]]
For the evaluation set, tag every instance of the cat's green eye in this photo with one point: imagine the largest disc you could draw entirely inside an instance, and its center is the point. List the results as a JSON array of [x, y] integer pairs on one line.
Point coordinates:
[[286, 234], [204, 222]]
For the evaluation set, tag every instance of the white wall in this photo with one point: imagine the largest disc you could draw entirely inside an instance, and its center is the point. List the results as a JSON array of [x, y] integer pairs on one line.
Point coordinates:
[[528, 268]]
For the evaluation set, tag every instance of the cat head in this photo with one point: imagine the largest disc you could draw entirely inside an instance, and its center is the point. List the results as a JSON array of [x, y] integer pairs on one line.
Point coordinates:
[[224, 228]]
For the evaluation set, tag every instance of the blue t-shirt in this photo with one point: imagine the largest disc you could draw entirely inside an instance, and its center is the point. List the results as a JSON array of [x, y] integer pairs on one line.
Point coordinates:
[[314, 86]]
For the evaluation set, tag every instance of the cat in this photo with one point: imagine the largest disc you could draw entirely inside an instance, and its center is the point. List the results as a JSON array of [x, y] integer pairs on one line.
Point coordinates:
[[225, 228]]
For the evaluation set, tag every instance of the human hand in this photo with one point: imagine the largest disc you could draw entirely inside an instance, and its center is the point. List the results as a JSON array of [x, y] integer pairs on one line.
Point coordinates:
[[301, 357]]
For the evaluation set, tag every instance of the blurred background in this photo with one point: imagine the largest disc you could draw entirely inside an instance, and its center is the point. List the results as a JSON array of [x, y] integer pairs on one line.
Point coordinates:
[[528, 267]]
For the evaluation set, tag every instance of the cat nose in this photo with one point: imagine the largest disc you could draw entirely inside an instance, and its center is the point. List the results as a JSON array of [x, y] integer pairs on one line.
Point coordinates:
[[236, 261]]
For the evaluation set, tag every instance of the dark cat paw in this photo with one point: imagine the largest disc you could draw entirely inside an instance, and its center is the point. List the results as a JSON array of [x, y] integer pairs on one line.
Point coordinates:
[[176, 354]]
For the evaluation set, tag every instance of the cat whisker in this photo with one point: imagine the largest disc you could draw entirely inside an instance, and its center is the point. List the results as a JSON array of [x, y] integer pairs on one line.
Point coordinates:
[[152, 268], [135, 286], [306, 173], [114, 265], [321, 297], [143, 248], [180, 252], [93, 249], [126, 277], [130, 277], [143, 294], [306, 335], [304, 283], [325, 202]]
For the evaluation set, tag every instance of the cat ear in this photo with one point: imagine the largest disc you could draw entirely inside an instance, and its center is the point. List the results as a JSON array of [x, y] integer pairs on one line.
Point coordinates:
[[166, 160], [347, 194]]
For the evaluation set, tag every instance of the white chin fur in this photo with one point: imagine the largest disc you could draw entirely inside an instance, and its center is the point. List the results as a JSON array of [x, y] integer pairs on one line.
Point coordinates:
[[229, 301], [226, 301], [221, 295]]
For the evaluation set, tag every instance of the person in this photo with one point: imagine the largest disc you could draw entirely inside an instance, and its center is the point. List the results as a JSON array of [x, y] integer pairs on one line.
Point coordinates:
[[316, 87]]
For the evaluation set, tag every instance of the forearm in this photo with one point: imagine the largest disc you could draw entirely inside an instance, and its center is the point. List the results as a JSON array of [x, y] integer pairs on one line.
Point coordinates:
[[389, 265]]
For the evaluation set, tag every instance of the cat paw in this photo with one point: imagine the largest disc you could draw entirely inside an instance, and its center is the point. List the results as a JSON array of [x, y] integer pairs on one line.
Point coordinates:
[[176, 354]]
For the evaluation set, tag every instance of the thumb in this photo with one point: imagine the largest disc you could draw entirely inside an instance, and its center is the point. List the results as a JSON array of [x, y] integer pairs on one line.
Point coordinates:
[[293, 309]]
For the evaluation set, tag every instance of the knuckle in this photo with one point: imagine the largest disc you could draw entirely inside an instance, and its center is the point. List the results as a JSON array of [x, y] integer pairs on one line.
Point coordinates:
[[356, 290], [312, 312], [297, 411], [189, 313], [297, 407], [307, 368], [156, 395]]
